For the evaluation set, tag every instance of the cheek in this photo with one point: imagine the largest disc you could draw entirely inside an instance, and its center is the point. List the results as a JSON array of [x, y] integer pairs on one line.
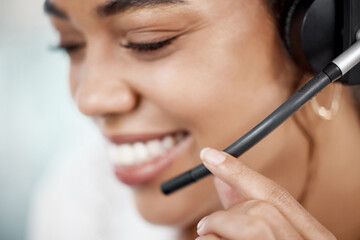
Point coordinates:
[[213, 95], [212, 83], [218, 97]]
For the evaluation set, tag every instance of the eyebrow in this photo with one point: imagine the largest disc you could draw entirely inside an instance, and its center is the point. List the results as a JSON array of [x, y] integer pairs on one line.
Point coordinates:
[[114, 7], [51, 9]]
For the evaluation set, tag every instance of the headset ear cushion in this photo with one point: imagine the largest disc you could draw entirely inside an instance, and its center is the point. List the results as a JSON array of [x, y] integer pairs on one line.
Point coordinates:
[[309, 33], [289, 9]]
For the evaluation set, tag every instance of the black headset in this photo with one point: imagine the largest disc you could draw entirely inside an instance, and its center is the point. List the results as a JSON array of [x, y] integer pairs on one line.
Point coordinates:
[[317, 31]]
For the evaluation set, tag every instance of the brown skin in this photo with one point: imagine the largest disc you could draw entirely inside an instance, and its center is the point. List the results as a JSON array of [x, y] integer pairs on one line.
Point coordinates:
[[225, 72]]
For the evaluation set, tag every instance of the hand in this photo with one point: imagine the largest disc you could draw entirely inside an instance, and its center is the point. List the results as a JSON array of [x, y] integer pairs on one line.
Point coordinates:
[[266, 210]]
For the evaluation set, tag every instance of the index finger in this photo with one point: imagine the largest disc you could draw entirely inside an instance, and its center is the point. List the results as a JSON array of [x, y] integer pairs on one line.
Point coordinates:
[[253, 185]]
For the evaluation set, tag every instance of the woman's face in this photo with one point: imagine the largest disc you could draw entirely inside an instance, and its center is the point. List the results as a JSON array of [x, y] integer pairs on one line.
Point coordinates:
[[209, 68]]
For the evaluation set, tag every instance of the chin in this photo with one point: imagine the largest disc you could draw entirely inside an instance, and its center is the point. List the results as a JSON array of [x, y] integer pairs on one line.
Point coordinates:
[[181, 209]]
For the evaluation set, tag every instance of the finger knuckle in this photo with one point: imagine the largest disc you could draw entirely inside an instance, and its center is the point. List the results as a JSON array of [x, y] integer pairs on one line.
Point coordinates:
[[261, 208], [240, 207], [257, 229], [236, 172], [279, 195], [216, 217]]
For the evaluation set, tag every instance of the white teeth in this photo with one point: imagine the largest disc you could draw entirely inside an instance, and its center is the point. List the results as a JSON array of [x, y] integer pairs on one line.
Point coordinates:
[[141, 152], [113, 153], [126, 154], [168, 142], [138, 153], [155, 148]]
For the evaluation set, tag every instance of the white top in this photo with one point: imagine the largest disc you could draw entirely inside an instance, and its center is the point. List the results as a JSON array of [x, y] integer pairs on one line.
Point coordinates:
[[80, 199]]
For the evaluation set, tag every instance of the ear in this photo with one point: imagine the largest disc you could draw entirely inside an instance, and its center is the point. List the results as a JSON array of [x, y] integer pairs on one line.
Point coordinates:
[[228, 195]]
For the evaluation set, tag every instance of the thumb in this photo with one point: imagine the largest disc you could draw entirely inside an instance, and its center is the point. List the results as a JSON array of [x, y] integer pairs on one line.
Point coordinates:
[[228, 195]]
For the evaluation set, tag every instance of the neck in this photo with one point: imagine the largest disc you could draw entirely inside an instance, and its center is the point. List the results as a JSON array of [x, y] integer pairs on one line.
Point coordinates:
[[334, 191]]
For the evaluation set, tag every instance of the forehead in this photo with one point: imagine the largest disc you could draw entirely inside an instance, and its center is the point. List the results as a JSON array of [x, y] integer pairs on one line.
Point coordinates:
[[103, 8]]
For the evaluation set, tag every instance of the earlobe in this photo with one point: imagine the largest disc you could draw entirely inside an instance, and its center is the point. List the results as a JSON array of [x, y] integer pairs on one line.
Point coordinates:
[[325, 106], [328, 113]]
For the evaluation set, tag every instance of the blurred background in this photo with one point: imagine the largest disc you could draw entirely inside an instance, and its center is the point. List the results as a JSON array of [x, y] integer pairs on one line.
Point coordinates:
[[38, 121]]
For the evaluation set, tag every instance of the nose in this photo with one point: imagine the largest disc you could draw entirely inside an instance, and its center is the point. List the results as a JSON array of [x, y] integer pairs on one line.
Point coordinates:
[[100, 90]]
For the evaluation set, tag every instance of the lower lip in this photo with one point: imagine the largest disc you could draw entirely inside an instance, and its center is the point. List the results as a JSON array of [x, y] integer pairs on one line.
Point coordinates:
[[148, 172]]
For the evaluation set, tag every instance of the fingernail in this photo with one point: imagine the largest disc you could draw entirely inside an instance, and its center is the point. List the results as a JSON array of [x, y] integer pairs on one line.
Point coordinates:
[[200, 225], [212, 156]]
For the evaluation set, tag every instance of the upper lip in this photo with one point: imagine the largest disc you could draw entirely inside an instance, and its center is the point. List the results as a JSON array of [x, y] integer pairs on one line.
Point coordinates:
[[132, 138]]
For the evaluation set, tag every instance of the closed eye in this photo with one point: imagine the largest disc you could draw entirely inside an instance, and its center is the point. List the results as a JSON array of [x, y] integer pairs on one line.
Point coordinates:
[[148, 47], [69, 48]]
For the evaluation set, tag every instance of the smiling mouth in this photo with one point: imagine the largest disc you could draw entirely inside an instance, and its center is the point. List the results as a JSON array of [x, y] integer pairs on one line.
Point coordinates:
[[139, 160], [133, 151]]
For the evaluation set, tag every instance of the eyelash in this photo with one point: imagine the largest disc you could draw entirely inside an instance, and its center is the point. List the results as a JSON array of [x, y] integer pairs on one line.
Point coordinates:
[[69, 48], [148, 47], [145, 47]]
